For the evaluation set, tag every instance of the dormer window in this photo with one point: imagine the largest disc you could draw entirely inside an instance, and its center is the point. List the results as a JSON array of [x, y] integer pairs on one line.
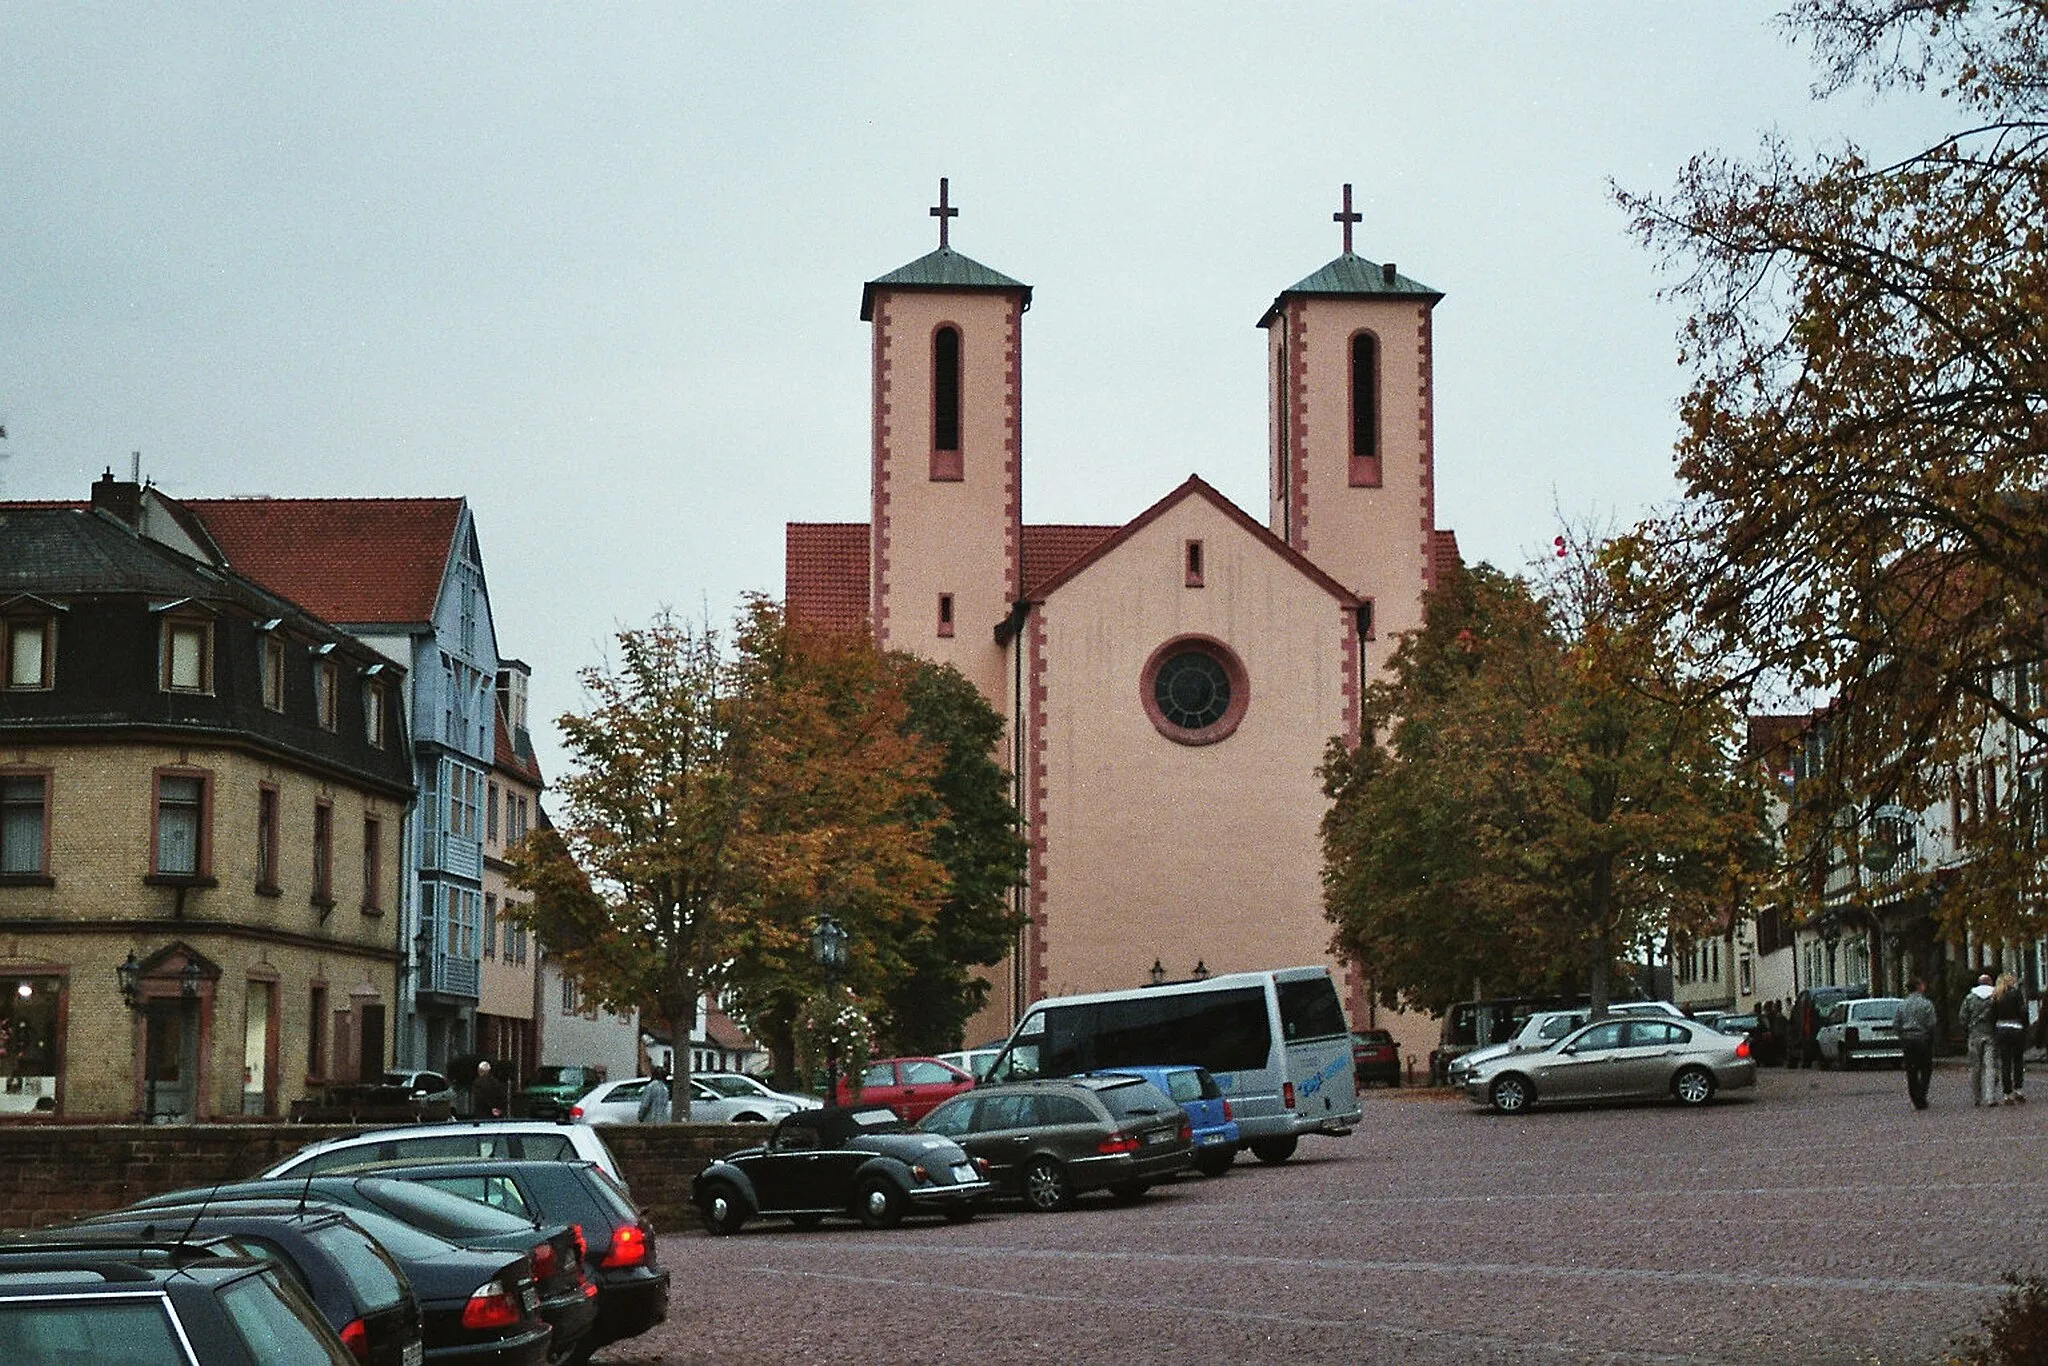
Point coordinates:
[[30, 656], [273, 671], [373, 714], [326, 689], [187, 664]]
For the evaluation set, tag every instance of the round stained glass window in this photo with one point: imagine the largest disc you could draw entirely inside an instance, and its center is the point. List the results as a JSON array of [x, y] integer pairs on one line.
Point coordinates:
[[1192, 690]]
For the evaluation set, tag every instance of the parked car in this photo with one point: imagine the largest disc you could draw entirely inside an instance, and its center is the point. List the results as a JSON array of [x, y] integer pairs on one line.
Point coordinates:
[[909, 1086], [1375, 1057], [351, 1278], [857, 1161], [1856, 1032], [1046, 1142], [551, 1090], [973, 1061], [1212, 1129], [1764, 1045], [188, 1306], [618, 1102], [537, 1139], [1632, 1058], [620, 1256], [394, 1098], [427, 1088], [387, 1209], [1545, 1028], [737, 1085]]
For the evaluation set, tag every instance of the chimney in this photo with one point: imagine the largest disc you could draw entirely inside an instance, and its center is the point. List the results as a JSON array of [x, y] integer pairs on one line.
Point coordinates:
[[122, 500], [1387, 273]]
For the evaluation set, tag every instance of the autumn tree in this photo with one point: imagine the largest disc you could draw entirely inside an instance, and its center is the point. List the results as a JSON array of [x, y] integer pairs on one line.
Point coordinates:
[[1866, 433], [1544, 787], [718, 800]]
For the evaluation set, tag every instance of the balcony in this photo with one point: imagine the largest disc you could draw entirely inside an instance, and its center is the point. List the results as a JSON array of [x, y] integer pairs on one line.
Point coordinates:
[[450, 975], [454, 855]]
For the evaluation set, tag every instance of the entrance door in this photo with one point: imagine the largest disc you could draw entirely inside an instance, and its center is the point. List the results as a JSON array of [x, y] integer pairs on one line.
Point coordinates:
[[171, 1062], [373, 1039]]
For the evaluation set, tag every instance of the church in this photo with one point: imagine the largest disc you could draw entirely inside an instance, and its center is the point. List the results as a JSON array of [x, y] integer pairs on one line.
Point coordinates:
[[1170, 683]]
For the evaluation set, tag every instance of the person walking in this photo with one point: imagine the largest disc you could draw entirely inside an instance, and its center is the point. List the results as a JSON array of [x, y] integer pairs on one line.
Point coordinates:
[[487, 1094], [1915, 1026], [1806, 1029], [1974, 1015], [654, 1108], [2009, 1037]]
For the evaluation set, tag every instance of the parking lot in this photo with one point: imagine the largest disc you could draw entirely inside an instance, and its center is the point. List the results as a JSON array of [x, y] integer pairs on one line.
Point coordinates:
[[1819, 1219]]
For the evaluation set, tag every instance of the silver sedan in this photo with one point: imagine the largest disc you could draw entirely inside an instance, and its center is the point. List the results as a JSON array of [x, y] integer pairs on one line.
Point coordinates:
[[1617, 1059]]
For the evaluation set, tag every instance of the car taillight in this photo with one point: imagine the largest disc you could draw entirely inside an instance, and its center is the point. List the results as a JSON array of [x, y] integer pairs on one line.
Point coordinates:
[[582, 1247], [1742, 1049], [544, 1261], [629, 1247], [1187, 1132], [590, 1290], [575, 1112], [1117, 1143], [494, 1305], [1227, 1116], [1287, 1095], [356, 1338]]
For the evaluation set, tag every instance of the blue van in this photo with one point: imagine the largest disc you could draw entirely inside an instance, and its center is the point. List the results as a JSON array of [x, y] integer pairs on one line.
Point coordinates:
[[1195, 1091]]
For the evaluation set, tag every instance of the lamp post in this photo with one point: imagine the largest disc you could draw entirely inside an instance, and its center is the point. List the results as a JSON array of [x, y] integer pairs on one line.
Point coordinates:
[[828, 951], [1158, 973]]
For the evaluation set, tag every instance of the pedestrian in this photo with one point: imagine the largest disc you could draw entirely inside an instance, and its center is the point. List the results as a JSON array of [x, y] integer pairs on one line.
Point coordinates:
[[1915, 1026], [2009, 1035], [1974, 1015], [487, 1094], [654, 1098], [1806, 1029]]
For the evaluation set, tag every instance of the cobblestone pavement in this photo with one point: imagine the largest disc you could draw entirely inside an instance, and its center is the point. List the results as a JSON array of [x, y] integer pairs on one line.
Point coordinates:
[[1818, 1219]]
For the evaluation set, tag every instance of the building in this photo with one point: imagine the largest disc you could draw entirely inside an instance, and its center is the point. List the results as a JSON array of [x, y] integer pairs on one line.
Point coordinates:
[[203, 791], [1170, 681], [405, 576], [508, 983]]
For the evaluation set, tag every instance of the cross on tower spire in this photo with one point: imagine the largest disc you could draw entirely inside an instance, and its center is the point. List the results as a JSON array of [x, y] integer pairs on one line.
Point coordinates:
[[1347, 218], [944, 211]]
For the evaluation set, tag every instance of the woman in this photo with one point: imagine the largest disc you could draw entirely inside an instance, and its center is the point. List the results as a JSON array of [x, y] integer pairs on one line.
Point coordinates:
[[2009, 1032]]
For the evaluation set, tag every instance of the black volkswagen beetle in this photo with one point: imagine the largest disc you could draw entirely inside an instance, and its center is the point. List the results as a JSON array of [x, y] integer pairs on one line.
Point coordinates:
[[858, 1161]]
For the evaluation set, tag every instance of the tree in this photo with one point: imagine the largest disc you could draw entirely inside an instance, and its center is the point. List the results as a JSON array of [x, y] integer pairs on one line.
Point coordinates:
[[976, 837], [1542, 788], [715, 803], [1866, 439]]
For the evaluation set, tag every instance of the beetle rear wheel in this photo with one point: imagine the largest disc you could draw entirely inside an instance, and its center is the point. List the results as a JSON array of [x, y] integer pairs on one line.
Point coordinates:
[[879, 1203], [723, 1210]]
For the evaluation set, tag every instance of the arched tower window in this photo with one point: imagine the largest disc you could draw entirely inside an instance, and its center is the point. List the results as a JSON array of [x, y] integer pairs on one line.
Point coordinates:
[[946, 396], [1365, 409]]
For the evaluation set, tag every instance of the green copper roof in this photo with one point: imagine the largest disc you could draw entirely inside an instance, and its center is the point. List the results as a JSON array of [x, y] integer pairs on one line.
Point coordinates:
[[941, 269], [1354, 277]]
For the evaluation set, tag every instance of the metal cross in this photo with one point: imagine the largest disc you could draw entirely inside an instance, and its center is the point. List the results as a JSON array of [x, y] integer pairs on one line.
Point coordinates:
[[1344, 216], [942, 211]]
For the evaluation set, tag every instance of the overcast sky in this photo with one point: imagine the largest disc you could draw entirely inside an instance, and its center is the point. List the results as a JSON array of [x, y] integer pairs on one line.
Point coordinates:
[[598, 268]]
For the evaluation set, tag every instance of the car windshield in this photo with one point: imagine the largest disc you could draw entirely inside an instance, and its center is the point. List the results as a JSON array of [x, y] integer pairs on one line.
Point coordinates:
[[1873, 1010], [134, 1332], [726, 1084]]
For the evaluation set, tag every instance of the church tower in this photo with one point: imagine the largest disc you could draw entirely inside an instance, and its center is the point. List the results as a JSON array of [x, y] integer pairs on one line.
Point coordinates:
[[1351, 434], [947, 412]]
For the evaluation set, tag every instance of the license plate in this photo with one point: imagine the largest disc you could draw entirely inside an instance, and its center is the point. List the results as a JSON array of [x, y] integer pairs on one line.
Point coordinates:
[[963, 1172], [1159, 1136], [530, 1297], [1209, 1140], [413, 1354]]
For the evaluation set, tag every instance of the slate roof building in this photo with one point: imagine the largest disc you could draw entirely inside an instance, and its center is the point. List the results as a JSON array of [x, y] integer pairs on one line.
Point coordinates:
[[203, 791], [1170, 680]]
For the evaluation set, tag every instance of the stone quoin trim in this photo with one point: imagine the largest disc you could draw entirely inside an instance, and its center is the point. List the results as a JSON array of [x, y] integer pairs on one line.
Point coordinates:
[[1426, 434], [1233, 669], [878, 517], [1013, 458], [1354, 677], [1295, 410], [1035, 801]]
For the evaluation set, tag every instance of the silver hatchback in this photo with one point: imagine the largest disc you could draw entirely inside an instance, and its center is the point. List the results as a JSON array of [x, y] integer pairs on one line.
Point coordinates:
[[1636, 1058]]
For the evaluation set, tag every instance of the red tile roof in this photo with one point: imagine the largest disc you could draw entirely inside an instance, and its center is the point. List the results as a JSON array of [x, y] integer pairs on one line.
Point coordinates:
[[350, 560], [1443, 554], [825, 574], [1049, 549], [508, 757]]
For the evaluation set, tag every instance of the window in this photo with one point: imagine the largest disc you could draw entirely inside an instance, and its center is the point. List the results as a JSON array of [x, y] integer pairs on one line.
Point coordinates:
[[187, 655], [491, 815], [266, 839], [373, 714], [181, 837], [946, 461], [323, 853], [519, 827], [273, 672], [24, 827], [316, 1032], [326, 691], [373, 864], [1194, 690], [1193, 557], [1365, 410], [490, 935], [29, 657], [945, 614]]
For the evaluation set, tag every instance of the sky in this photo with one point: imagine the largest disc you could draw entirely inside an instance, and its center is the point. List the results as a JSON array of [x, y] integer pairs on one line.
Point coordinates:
[[597, 269]]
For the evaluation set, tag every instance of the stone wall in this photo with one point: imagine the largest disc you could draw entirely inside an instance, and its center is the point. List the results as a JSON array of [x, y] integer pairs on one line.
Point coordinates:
[[53, 1172]]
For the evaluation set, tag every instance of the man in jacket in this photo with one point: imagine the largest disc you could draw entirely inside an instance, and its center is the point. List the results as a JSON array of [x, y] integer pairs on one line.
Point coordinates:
[[1915, 1025], [1975, 1017]]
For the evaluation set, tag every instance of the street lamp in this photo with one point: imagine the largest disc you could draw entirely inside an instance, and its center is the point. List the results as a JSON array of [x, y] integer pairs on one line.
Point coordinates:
[[1201, 970], [828, 951], [1158, 972]]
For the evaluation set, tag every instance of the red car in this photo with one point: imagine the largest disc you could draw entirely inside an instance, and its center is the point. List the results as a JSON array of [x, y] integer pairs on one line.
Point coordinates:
[[912, 1087], [1375, 1057]]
